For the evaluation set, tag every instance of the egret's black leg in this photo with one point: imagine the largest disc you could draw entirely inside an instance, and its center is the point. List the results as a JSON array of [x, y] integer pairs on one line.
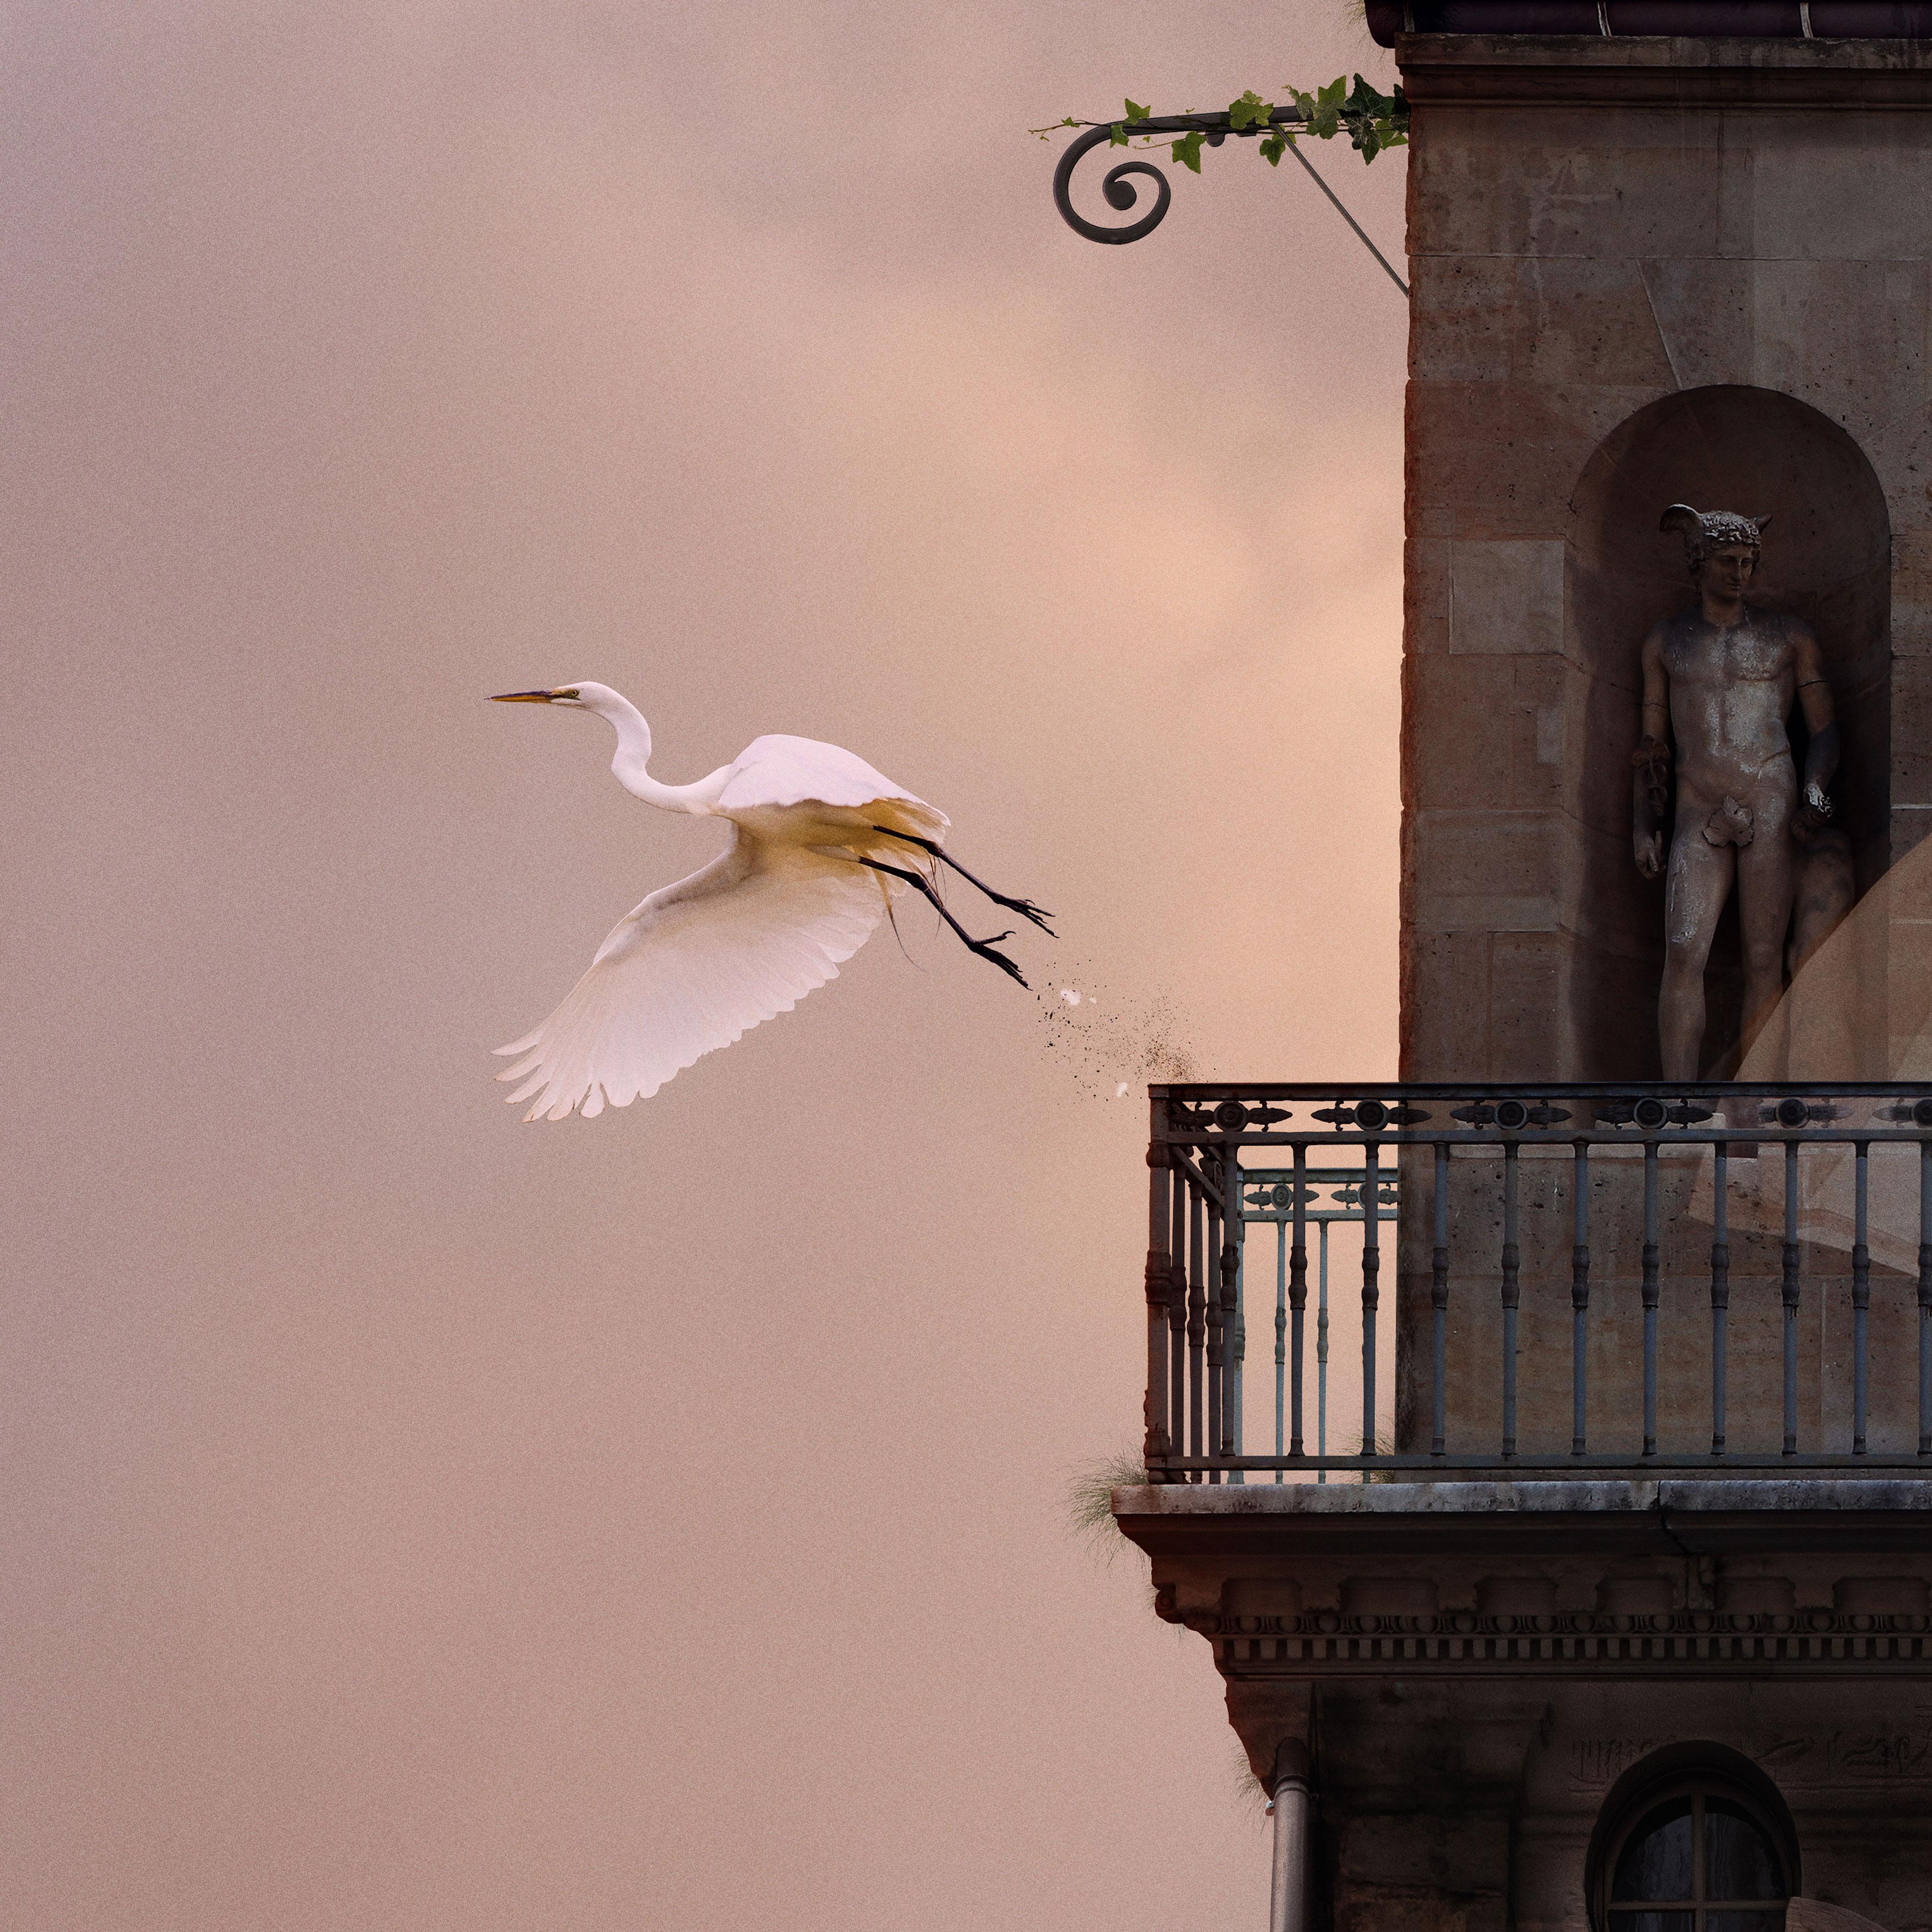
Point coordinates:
[[1024, 908], [984, 947]]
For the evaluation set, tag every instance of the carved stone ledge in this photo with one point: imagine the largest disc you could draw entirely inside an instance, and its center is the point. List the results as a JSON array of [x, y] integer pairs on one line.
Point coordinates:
[[1697, 1641], [1672, 1579]]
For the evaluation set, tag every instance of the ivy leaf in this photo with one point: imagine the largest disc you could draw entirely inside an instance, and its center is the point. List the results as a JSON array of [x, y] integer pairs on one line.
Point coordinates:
[[1365, 100], [1250, 111], [1187, 151], [1366, 114], [1322, 109], [1276, 145], [1135, 111], [1116, 135]]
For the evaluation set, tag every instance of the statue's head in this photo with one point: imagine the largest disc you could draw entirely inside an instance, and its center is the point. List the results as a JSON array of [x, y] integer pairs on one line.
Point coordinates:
[[1722, 538]]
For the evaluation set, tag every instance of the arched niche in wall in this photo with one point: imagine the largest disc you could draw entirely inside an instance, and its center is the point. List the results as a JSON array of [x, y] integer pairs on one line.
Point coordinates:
[[1827, 558]]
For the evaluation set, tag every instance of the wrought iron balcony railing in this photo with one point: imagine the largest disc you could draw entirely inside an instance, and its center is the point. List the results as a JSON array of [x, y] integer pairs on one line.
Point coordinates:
[[1589, 1278]]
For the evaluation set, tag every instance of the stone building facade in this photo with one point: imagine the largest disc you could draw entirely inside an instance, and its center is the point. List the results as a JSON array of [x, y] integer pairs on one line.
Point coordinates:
[[1700, 268], [1645, 271]]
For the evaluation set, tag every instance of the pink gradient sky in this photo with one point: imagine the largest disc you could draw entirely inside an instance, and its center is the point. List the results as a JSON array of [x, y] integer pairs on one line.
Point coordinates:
[[417, 1520]]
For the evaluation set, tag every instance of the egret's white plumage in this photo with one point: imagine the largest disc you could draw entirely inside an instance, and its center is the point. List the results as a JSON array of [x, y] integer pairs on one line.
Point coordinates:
[[747, 936]]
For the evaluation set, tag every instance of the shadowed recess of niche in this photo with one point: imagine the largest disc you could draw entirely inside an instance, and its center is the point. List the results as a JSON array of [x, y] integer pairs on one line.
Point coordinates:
[[1826, 558]]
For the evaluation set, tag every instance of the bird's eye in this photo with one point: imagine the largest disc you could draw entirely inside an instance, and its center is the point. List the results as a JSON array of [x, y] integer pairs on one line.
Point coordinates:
[[569, 692]]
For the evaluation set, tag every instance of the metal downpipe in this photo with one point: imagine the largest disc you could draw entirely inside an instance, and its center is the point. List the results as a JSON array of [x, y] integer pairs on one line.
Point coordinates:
[[1289, 1902]]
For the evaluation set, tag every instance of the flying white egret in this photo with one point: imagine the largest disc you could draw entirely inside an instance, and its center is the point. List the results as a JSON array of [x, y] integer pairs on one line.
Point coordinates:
[[820, 843]]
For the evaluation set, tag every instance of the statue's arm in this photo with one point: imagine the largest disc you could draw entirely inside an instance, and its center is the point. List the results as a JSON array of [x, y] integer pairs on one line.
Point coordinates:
[[1650, 762], [1821, 720]]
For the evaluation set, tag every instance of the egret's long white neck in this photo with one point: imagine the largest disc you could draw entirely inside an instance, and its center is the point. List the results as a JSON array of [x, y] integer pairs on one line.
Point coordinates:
[[634, 753]]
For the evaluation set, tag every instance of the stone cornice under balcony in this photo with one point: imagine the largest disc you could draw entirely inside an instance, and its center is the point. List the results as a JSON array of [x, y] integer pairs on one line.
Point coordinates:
[[1664, 1516], [1301, 1582]]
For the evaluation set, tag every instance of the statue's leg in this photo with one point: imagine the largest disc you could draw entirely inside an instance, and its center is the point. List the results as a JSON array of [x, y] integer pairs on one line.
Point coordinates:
[[1699, 882], [1767, 875]]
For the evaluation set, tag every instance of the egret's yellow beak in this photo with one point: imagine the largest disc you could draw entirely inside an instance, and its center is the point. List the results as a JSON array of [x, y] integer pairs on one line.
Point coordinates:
[[524, 697]]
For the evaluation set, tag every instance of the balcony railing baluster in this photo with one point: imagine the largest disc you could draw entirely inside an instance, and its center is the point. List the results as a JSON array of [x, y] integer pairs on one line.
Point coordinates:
[[1371, 1262], [1791, 1294], [1298, 1288], [1233, 1331], [1197, 1332], [1512, 1293], [1861, 1303], [1580, 1302], [1652, 1291], [1154, 1452], [1321, 1354], [1280, 1335], [1177, 1308], [1720, 1290], [1217, 1341], [1438, 1299], [1925, 1297]]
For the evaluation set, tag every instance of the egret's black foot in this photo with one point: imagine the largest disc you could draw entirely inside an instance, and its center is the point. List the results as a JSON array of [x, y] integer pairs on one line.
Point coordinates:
[[985, 948], [1024, 908], [920, 883]]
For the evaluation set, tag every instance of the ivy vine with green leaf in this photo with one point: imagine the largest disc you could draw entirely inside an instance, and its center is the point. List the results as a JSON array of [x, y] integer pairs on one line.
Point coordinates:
[[1372, 120]]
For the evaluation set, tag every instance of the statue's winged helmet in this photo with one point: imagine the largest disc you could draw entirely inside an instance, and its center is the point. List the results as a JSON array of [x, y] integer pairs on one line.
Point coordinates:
[[1703, 530]]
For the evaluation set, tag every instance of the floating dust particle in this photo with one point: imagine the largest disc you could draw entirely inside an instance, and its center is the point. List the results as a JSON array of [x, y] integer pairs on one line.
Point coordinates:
[[1114, 1045]]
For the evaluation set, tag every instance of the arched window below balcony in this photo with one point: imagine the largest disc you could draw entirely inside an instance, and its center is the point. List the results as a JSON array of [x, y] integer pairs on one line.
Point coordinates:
[[1698, 1854]]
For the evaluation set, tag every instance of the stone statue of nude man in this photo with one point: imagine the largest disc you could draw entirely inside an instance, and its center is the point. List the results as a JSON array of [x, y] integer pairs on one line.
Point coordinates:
[[1719, 679]]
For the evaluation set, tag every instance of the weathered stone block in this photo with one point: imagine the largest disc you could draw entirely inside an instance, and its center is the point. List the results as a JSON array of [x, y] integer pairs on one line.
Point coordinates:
[[1551, 321], [1849, 337], [1527, 979], [1499, 482], [1465, 319], [1576, 416], [1912, 565], [1506, 596], [1901, 450], [1426, 596], [1911, 729], [1910, 824], [1521, 181], [1850, 188], [1706, 318], [1911, 630], [1471, 764], [1468, 856], [1445, 1006], [1540, 717]]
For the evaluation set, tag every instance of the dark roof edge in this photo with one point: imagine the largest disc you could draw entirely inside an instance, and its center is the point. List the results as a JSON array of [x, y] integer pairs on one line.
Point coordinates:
[[1685, 19]]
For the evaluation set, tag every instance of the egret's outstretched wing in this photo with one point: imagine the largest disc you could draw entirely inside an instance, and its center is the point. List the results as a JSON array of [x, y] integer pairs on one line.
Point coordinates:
[[779, 770], [692, 969]]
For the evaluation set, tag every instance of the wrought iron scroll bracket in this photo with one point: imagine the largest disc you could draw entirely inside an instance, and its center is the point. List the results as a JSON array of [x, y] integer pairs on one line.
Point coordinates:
[[1120, 192], [1118, 189]]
